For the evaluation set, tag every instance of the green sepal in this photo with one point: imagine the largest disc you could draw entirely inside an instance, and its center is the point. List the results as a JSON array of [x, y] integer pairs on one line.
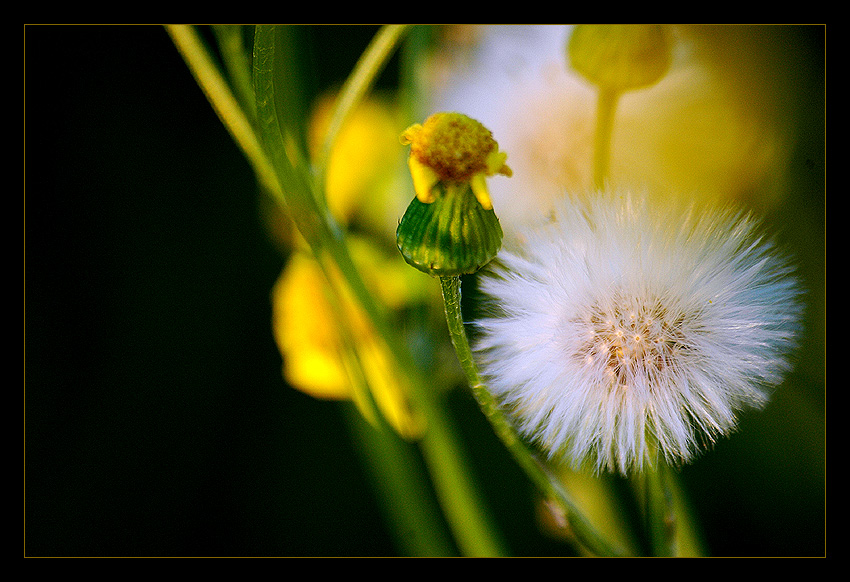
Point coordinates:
[[454, 235]]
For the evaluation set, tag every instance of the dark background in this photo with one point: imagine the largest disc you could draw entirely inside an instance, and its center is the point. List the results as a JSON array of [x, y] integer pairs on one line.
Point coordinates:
[[156, 419]]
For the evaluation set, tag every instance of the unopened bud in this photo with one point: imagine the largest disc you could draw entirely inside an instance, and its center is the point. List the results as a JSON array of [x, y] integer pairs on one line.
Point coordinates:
[[620, 57]]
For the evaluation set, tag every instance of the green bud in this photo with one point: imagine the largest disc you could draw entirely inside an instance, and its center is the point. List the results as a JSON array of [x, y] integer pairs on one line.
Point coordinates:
[[453, 235], [620, 57]]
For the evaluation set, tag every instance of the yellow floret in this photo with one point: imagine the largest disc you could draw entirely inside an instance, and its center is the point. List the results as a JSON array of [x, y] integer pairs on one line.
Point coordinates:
[[454, 149]]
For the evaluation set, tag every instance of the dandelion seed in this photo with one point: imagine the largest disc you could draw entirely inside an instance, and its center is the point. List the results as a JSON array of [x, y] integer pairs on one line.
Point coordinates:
[[625, 330]]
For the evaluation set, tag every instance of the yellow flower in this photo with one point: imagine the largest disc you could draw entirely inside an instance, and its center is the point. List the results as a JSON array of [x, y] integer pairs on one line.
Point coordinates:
[[450, 227], [363, 162], [305, 331], [455, 150], [329, 348]]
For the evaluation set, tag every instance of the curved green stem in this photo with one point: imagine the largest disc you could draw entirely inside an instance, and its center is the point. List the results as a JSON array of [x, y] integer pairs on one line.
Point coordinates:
[[358, 84], [280, 171], [536, 470], [458, 494]]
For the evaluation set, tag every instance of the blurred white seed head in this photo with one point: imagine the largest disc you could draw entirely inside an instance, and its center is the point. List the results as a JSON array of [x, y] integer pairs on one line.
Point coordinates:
[[623, 329]]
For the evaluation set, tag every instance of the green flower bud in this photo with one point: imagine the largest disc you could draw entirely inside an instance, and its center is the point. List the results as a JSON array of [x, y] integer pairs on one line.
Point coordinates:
[[620, 57], [453, 235]]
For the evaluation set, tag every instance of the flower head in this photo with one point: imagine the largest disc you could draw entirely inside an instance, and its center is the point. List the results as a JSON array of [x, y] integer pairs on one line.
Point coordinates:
[[456, 150], [450, 227], [626, 329]]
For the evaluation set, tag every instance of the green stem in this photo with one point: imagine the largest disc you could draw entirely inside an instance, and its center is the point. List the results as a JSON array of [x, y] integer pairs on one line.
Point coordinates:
[[226, 106], [536, 470], [237, 63], [605, 108], [397, 478], [358, 84], [660, 513], [464, 510], [291, 186]]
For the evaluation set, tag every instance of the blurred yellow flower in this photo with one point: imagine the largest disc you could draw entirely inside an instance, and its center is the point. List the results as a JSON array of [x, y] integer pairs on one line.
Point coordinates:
[[329, 348], [364, 162], [328, 345]]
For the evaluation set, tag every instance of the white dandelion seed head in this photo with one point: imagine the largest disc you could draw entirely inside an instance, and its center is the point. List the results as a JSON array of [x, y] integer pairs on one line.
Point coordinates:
[[624, 328]]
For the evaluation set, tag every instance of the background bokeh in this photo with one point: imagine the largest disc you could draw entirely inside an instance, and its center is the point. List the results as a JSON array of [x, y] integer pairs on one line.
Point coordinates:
[[157, 422]]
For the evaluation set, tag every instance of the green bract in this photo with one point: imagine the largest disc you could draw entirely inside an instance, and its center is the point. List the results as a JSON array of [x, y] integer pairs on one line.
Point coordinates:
[[453, 235]]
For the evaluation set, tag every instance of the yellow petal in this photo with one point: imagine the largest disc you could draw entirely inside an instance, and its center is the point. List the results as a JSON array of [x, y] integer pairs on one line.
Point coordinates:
[[388, 390], [410, 133], [424, 180], [317, 374], [356, 176], [496, 164], [478, 183], [305, 332]]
